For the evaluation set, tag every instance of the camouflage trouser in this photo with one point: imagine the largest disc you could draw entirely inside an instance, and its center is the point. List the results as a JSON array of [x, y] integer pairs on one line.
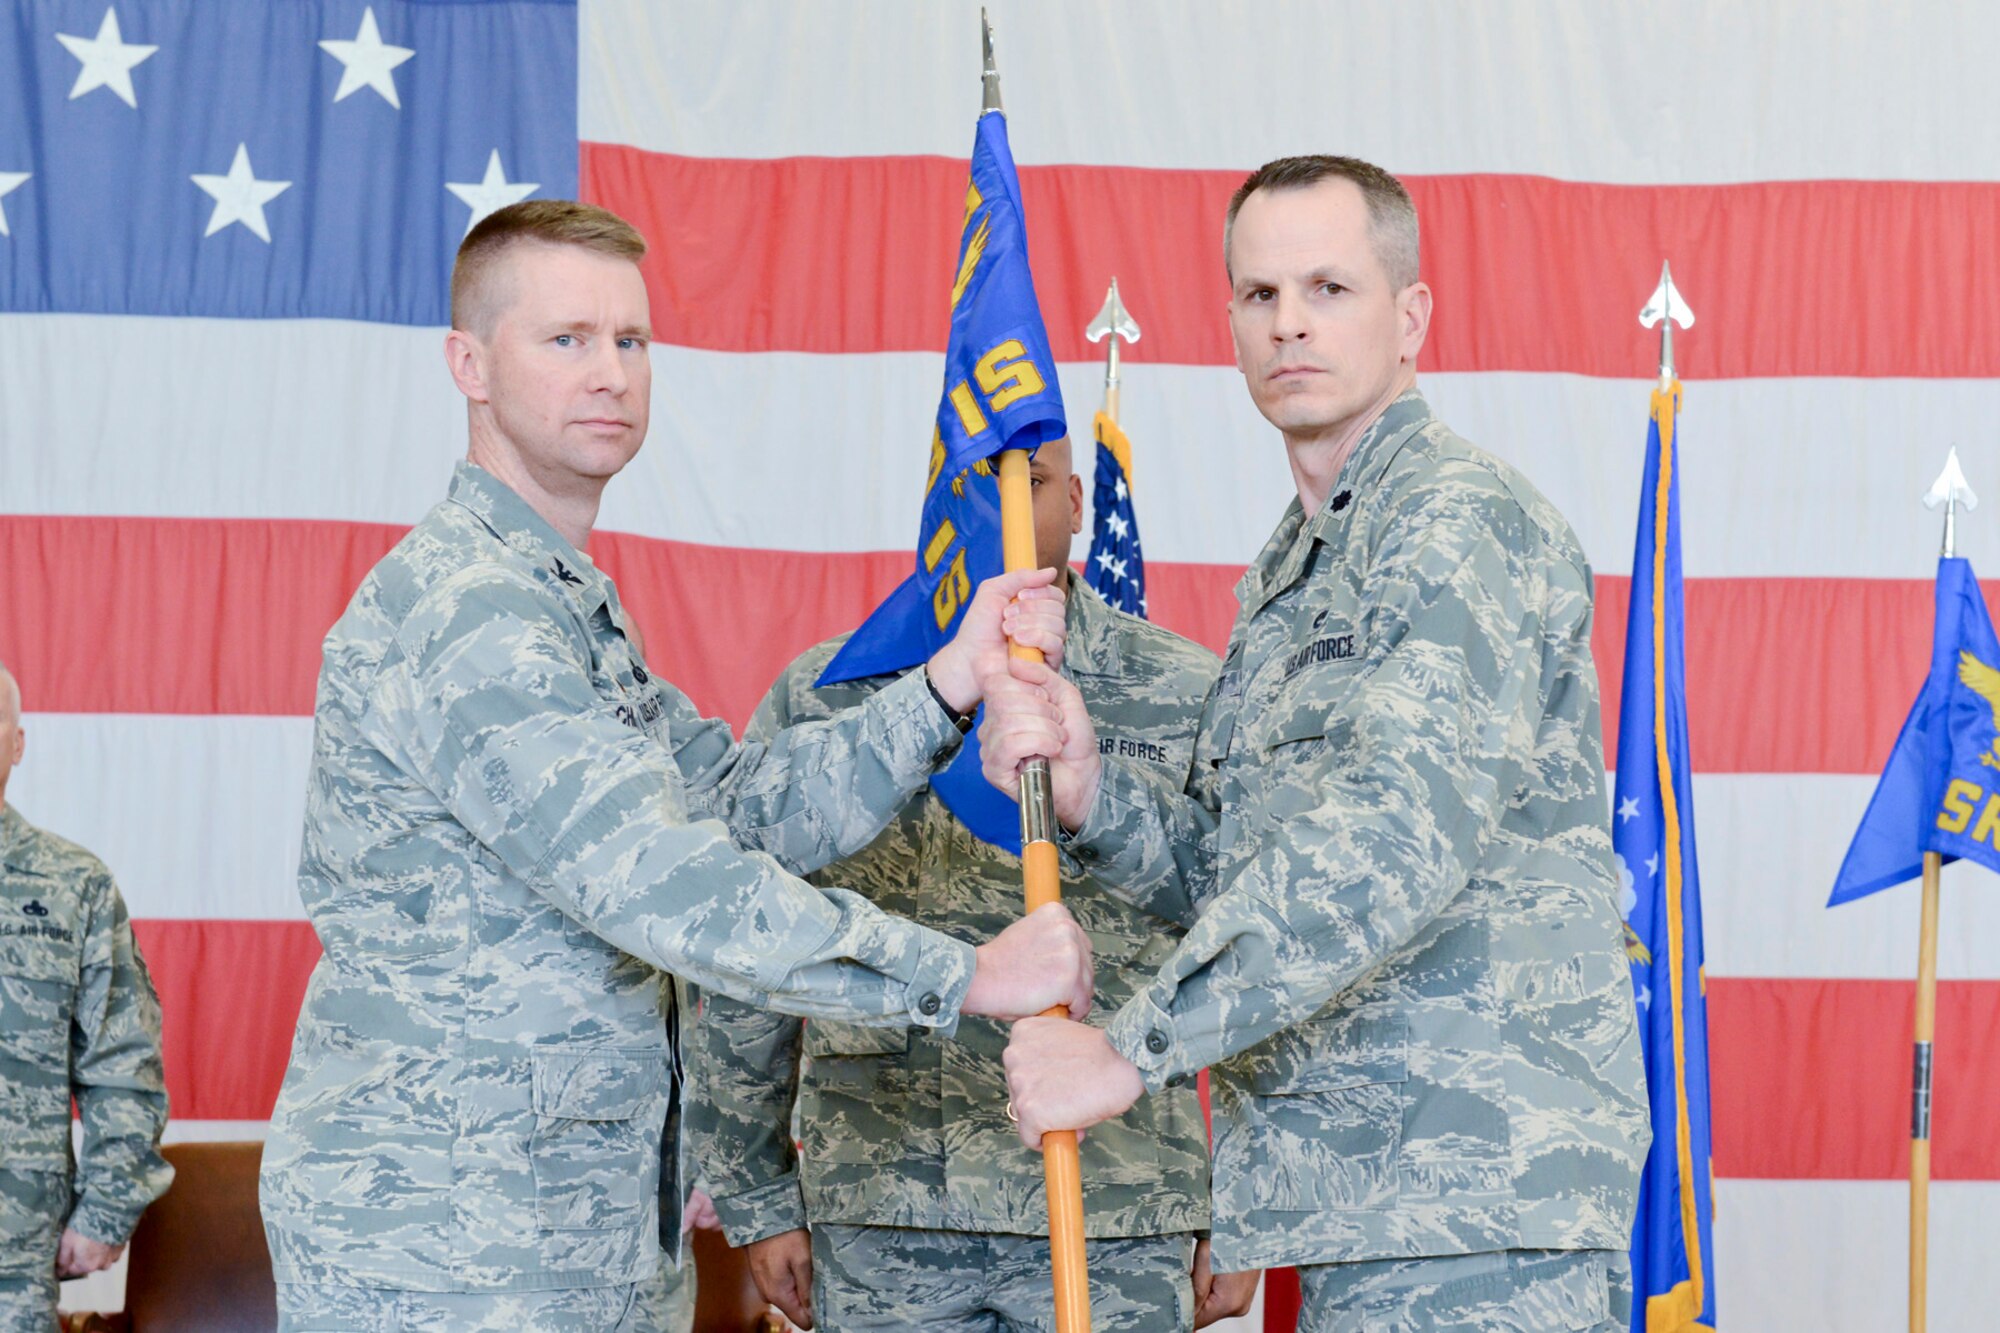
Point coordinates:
[[638, 1307], [32, 1204], [1508, 1291], [28, 1304], [878, 1279]]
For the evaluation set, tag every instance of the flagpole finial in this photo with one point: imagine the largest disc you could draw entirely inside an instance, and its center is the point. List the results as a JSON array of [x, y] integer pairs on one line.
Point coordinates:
[[989, 77], [1951, 490], [1113, 323], [1666, 309]]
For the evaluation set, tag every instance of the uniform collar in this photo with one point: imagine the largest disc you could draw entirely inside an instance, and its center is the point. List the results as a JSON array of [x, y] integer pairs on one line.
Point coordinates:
[[1090, 642], [529, 535], [1284, 556]]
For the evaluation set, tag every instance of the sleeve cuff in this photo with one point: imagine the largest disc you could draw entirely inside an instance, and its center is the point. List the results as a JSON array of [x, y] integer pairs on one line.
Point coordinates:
[[103, 1223], [943, 976], [763, 1212], [1145, 1034], [908, 702], [1098, 835]]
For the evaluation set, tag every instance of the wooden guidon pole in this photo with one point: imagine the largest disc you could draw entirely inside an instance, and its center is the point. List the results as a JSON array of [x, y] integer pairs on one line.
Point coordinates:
[[1920, 1096], [1042, 879]]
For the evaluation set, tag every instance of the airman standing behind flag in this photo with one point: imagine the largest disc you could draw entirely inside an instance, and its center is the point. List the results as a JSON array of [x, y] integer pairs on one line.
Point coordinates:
[[78, 1019], [515, 832], [1403, 966], [924, 1209]]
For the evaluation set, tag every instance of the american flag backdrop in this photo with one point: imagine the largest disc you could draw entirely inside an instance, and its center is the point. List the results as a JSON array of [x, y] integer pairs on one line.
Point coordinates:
[[228, 225]]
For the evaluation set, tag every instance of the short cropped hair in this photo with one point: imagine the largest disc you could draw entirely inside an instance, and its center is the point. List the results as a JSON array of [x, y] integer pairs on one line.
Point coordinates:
[[534, 221], [1392, 218]]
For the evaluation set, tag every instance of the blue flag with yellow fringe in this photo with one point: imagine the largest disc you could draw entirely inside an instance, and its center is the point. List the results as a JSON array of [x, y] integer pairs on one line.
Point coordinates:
[[1940, 791], [1652, 830], [1000, 392]]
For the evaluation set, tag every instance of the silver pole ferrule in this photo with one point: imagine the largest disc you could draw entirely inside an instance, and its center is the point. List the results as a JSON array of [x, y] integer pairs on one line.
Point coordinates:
[[1038, 805]]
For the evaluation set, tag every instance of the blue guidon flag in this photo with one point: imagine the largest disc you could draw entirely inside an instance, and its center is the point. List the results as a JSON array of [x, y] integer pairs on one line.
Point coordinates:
[[1000, 392], [1116, 569], [1652, 830], [1940, 791]]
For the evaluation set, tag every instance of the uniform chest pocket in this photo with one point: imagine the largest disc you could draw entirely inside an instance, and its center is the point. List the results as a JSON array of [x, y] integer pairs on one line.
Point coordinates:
[[39, 973], [595, 1151]]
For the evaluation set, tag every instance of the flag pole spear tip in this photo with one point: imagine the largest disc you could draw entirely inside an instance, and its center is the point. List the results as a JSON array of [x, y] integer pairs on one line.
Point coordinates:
[[1115, 323], [1666, 309], [989, 76], [1951, 490]]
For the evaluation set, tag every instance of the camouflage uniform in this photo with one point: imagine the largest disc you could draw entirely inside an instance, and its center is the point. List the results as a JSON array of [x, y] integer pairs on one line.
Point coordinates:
[[903, 1130], [78, 1017], [1403, 964], [513, 833]]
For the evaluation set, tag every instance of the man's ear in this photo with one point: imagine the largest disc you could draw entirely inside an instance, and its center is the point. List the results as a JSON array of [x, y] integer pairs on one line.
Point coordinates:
[[1076, 503], [1416, 319], [465, 357]]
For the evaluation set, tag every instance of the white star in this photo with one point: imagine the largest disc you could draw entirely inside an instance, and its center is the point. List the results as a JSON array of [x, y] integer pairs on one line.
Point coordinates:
[[1645, 997], [1142, 606], [1653, 864], [367, 60], [1629, 808], [1118, 568], [240, 196], [107, 60], [1104, 559], [1119, 490], [492, 194], [10, 181], [1117, 524]]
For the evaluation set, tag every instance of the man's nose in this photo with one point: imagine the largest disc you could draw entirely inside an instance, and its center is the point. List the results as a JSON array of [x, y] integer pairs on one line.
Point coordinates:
[[1288, 321], [607, 368]]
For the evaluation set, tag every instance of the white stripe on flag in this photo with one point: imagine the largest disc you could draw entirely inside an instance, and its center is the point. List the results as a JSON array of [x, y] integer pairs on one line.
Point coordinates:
[[1786, 91], [789, 451]]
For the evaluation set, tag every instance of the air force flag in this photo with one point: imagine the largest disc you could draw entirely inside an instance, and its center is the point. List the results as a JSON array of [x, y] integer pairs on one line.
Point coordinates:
[[1000, 392]]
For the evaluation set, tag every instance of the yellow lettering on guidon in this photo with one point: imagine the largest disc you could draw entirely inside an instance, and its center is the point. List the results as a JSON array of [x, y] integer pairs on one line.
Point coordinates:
[[937, 459], [939, 543], [1009, 382], [952, 590], [969, 415], [1988, 827], [1959, 800]]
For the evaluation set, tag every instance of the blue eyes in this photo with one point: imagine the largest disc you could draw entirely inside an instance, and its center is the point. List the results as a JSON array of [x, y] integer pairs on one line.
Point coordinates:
[[624, 344]]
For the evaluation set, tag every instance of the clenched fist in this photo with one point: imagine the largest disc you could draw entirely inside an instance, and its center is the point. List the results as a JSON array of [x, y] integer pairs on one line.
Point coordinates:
[[1040, 961]]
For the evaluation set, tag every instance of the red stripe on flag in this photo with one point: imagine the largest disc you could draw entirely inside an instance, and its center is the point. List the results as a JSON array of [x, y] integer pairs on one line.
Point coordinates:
[[133, 615], [1810, 1079], [857, 255], [230, 993]]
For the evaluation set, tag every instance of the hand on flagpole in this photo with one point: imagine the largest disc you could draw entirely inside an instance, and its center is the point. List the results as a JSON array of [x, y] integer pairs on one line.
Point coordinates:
[[1062, 1074], [1037, 963], [1032, 712], [1023, 607]]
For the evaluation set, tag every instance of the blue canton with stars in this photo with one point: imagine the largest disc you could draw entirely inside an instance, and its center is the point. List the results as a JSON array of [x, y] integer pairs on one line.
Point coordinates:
[[1116, 569], [297, 160]]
